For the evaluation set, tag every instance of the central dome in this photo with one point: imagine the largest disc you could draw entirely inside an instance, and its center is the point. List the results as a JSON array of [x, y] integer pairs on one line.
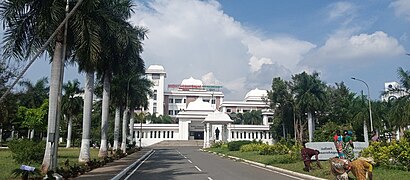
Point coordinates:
[[200, 105], [191, 81]]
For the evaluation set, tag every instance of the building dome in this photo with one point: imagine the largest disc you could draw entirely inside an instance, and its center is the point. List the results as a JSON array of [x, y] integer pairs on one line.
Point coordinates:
[[217, 117], [256, 95], [199, 105], [155, 69], [191, 81]]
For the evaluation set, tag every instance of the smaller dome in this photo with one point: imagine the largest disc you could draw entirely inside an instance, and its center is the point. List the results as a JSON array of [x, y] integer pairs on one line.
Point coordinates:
[[155, 69], [200, 105], [256, 95], [191, 81], [217, 117]]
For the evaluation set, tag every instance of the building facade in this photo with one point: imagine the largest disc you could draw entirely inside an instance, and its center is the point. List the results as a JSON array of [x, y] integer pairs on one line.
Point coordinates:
[[200, 111]]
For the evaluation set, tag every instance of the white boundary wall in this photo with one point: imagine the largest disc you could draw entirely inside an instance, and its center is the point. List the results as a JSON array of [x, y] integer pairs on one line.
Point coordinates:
[[155, 133]]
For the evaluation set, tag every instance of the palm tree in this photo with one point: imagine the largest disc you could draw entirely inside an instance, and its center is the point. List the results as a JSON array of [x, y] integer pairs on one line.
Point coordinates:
[[29, 24], [125, 52], [72, 105], [309, 93], [93, 26], [400, 112]]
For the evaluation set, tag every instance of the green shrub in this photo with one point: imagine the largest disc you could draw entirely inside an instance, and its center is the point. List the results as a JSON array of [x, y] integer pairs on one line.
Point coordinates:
[[217, 144], [26, 152], [250, 147], [394, 155], [236, 145]]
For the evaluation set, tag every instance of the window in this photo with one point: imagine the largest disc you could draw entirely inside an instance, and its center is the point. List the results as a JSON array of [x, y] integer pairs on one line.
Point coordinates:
[[206, 100], [155, 76], [171, 100], [184, 100], [176, 112], [155, 94], [170, 112], [178, 100], [213, 101], [228, 110], [154, 109]]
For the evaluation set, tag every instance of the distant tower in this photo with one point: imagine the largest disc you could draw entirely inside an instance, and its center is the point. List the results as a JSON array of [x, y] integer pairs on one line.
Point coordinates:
[[157, 74]]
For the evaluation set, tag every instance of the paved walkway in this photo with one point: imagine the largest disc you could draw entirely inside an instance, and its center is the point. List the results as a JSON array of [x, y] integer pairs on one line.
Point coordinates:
[[110, 170]]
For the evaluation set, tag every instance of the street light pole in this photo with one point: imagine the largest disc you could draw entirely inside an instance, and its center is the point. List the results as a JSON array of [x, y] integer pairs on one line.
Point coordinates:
[[370, 104]]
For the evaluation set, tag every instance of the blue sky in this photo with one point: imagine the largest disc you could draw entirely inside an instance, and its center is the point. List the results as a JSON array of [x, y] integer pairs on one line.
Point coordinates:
[[243, 44]]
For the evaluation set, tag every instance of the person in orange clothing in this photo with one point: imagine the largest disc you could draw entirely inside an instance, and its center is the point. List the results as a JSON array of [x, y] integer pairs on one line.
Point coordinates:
[[360, 167]]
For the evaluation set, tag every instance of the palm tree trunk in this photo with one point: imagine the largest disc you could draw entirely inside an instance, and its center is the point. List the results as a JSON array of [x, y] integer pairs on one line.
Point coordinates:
[[104, 117], [124, 131], [365, 132], [1, 133], [56, 69], [32, 134], [69, 131], [310, 126], [117, 127], [132, 119], [88, 103]]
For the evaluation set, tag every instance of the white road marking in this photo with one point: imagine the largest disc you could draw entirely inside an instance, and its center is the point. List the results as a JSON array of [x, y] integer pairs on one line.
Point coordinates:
[[198, 168], [126, 178], [189, 161], [294, 177], [209, 178]]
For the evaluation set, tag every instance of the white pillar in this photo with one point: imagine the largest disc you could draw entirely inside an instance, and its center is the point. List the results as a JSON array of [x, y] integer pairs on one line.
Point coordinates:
[[207, 145], [265, 119], [205, 136], [225, 133]]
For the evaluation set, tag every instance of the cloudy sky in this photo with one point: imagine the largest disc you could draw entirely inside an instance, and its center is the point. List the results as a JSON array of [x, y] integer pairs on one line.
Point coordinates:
[[242, 44]]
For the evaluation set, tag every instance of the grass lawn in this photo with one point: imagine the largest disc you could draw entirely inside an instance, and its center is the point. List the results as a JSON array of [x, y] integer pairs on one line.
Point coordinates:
[[378, 172], [7, 164]]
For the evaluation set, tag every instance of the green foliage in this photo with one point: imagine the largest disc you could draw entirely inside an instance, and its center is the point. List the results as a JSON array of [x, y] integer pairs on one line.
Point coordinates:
[[34, 118], [326, 132], [217, 144], [26, 152], [395, 154], [236, 145], [281, 148]]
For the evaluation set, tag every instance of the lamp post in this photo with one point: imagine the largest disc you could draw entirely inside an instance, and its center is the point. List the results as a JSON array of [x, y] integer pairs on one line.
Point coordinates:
[[370, 105]]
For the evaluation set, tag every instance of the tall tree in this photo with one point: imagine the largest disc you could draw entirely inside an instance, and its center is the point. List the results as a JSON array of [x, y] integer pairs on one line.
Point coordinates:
[[29, 24], [71, 106], [309, 93], [125, 52]]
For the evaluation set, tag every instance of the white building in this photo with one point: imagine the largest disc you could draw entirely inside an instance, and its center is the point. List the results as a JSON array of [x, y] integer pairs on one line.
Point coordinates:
[[157, 74], [195, 107], [390, 91]]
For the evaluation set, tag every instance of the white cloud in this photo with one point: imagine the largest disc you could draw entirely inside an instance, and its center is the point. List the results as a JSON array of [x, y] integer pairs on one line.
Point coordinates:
[[344, 12], [210, 79], [360, 49], [194, 38], [341, 9], [401, 8], [256, 63]]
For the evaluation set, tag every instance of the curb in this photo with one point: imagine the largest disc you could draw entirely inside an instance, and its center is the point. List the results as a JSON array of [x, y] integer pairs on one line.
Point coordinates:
[[285, 171], [124, 172]]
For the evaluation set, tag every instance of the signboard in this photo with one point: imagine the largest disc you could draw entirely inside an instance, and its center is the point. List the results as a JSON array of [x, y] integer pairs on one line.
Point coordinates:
[[328, 150], [195, 87]]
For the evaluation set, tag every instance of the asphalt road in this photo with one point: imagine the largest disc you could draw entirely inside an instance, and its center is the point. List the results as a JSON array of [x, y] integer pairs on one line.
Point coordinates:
[[189, 163]]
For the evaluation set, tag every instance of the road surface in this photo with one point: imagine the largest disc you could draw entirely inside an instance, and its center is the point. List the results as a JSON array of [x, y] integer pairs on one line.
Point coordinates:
[[189, 163]]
